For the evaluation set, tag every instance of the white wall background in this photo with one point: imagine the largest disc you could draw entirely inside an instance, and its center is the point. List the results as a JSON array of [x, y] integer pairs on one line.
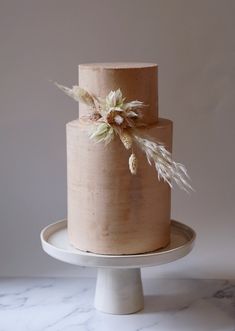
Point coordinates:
[[193, 43]]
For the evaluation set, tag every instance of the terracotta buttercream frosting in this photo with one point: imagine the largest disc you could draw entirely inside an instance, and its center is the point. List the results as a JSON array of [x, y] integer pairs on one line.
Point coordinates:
[[111, 211], [138, 81]]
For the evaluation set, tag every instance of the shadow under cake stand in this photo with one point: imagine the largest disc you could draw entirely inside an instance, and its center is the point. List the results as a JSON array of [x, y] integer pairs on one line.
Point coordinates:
[[119, 286]]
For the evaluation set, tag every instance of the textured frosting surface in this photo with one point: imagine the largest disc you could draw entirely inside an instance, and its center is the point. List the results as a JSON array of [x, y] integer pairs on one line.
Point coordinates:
[[111, 211], [137, 81]]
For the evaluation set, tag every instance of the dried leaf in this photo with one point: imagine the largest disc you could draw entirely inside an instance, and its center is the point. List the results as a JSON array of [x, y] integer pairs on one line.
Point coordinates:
[[101, 132], [78, 94]]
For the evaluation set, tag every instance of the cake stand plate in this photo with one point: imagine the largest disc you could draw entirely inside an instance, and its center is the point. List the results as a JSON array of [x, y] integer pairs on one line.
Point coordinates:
[[119, 287]]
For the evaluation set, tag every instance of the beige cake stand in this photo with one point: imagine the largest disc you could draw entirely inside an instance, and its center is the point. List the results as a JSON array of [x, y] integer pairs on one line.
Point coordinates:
[[119, 287]]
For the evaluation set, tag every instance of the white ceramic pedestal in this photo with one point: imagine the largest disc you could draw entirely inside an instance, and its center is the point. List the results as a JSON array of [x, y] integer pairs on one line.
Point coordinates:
[[119, 291], [119, 287]]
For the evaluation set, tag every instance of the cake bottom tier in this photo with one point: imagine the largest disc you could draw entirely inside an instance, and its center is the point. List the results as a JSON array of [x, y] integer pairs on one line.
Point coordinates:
[[111, 211]]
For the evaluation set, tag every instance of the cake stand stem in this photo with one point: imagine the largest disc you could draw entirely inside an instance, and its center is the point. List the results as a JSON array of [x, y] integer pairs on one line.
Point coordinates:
[[119, 291]]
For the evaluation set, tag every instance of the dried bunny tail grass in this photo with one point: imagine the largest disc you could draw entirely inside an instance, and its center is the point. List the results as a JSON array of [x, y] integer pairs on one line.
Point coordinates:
[[78, 94], [126, 139], [161, 158], [133, 164]]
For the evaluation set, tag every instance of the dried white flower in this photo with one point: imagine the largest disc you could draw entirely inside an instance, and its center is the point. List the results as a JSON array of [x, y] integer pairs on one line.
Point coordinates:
[[114, 98], [114, 102], [133, 164], [118, 119]]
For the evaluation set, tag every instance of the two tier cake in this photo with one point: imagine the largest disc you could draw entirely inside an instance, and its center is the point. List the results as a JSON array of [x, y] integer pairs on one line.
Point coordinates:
[[115, 207]]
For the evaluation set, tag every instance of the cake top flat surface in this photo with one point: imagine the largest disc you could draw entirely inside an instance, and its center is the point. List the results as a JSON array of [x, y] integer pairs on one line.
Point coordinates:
[[118, 65]]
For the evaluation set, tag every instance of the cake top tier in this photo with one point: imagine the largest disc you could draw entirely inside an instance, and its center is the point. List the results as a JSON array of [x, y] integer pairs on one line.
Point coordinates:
[[137, 81]]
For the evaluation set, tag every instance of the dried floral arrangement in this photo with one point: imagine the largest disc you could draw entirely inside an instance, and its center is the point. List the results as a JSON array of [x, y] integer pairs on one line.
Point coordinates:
[[113, 116]]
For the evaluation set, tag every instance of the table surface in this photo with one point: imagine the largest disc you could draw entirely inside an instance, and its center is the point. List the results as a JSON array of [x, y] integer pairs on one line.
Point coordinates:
[[66, 304]]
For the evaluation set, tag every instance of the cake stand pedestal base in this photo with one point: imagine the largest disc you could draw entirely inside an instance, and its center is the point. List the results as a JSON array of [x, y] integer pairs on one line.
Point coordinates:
[[119, 291], [119, 287]]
